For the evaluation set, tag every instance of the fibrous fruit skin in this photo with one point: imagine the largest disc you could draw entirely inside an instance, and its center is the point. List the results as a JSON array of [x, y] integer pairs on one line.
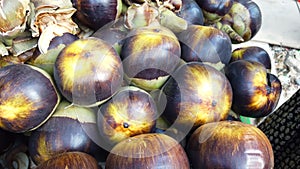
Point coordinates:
[[88, 72], [13, 20], [229, 144], [28, 97], [148, 151], [255, 92], [70, 160]]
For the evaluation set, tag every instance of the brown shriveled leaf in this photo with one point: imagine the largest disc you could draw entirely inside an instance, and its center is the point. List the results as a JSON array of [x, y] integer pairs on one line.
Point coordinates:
[[9, 60], [52, 18], [23, 44], [141, 15], [13, 19], [52, 3]]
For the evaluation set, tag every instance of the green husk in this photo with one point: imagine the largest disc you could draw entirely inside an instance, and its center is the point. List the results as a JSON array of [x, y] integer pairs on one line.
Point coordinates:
[[170, 20], [3, 50], [46, 60]]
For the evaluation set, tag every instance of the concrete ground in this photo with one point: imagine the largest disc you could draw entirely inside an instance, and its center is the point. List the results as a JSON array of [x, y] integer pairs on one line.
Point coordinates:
[[280, 22]]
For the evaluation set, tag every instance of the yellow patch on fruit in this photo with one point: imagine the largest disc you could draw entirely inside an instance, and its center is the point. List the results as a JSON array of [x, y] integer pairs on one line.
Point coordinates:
[[68, 83], [197, 113], [260, 96], [146, 41], [258, 101], [225, 105], [16, 107], [200, 75], [116, 129], [238, 54], [123, 125], [42, 150], [203, 102]]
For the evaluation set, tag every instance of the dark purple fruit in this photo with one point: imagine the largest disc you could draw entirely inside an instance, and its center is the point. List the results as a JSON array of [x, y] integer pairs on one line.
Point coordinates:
[[243, 21], [88, 72], [131, 111], [150, 54], [7, 140], [97, 13], [255, 92], [252, 53], [148, 151], [65, 39], [205, 44], [69, 129], [229, 144], [69, 160], [196, 94], [28, 97], [191, 12], [214, 10]]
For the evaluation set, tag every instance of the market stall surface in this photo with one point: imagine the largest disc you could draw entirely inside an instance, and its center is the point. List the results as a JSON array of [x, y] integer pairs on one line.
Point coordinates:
[[280, 22]]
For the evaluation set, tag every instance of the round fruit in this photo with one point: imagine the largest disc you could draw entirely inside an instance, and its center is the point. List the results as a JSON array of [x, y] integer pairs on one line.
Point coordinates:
[[88, 72], [214, 10], [65, 39], [97, 13], [191, 12], [67, 130], [70, 160], [131, 111], [28, 98], [229, 144], [197, 94], [252, 53], [150, 55], [255, 92], [148, 151], [205, 44]]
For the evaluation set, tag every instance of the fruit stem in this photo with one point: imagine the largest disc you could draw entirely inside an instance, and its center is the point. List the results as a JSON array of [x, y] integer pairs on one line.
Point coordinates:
[[230, 31], [170, 20], [121, 9]]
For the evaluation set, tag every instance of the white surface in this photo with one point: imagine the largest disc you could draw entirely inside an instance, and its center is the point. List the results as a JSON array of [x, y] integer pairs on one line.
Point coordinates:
[[280, 23]]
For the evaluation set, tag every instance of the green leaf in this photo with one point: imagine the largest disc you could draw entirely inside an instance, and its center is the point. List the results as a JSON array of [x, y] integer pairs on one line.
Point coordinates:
[[22, 46], [46, 61], [3, 50]]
